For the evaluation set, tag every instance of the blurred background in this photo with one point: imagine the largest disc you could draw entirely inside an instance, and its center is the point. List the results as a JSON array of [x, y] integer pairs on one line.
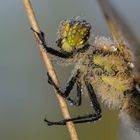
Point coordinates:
[[25, 96]]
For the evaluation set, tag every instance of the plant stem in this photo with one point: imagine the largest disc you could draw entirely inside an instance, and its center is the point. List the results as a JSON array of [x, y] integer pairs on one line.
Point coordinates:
[[121, 32], [51, 71]]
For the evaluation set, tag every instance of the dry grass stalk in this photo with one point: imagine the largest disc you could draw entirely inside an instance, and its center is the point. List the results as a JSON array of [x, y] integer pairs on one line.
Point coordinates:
[[111, 19], [121, 31], [116, 22], [51, 71]]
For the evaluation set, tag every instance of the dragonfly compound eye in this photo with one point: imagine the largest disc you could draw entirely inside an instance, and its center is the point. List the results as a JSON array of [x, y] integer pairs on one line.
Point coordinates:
[[73, 33]]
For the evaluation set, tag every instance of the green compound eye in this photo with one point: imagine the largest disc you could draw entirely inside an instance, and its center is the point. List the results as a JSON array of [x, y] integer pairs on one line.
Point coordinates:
[[73, 33]]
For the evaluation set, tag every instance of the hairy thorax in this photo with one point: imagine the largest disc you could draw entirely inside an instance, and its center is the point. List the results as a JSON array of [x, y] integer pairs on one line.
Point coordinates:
[[110, 73]]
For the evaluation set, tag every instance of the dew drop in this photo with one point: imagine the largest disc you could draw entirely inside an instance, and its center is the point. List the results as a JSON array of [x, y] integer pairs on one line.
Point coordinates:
[[91, 104], [71, 104]]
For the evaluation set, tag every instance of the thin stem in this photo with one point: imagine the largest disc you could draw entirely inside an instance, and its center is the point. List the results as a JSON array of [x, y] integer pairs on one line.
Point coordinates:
[[121, 31], [114, 27], [118, 22], [51, 71]]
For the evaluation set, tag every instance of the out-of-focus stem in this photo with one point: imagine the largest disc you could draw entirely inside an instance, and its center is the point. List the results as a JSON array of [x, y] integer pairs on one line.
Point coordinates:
[[121, 32]]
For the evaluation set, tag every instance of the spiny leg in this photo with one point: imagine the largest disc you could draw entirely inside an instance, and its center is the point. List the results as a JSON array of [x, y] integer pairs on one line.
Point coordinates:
[[68, 89], [78, 119], [52, 51], [79, 94], [93, 99], [87, 118], [96, 106], [49, 49], [41, 36]]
